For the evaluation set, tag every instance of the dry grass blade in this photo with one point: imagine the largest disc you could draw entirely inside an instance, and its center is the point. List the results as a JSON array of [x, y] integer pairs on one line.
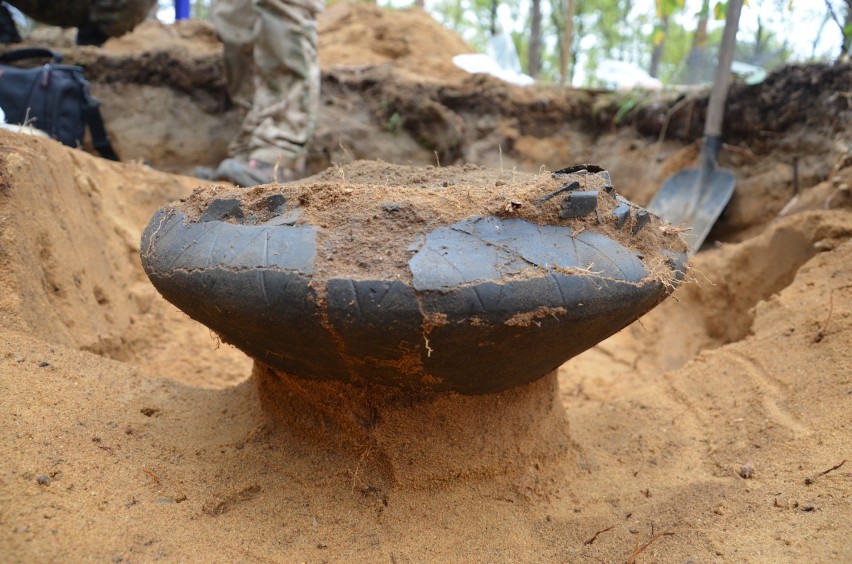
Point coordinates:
[[639, 549], [595, 536]]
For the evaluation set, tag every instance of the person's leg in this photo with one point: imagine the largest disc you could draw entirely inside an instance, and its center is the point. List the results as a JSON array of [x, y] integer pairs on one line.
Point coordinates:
[[88, 33], [8, 29], [287, 78], [114, 18], [235, 22]]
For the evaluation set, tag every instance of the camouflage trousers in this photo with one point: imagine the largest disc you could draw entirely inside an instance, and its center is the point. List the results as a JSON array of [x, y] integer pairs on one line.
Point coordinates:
[[280, 38], [113, 17]]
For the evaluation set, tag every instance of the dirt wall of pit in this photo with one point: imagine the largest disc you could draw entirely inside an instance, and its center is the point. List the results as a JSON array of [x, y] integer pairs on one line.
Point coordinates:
[[390, 91], [70, 232]]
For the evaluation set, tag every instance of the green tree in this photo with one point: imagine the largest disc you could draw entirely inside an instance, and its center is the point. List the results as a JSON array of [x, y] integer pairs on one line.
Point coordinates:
[[767, 47], [615, 30], [666, 9], [698, 68], [566, 43], [842, 16], [562, 15]]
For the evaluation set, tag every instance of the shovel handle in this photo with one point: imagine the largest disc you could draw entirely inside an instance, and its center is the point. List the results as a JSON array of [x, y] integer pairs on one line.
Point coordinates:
[[716, 109]]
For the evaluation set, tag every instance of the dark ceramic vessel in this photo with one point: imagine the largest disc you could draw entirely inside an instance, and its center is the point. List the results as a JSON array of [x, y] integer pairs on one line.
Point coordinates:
[[462, 323]]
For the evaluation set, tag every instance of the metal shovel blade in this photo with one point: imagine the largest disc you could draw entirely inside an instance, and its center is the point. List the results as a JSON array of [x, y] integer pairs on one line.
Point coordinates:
[[694, 198]]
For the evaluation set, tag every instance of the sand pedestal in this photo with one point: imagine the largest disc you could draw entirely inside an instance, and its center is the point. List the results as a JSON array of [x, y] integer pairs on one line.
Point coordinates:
[[423, 440]]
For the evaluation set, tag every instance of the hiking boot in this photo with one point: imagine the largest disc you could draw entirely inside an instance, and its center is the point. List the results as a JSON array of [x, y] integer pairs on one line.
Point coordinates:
[[205, 173], [252, 172]]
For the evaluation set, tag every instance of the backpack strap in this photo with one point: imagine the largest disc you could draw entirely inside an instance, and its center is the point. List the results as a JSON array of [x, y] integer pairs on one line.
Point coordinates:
[[93, 119], [30, 53], [95, 122]]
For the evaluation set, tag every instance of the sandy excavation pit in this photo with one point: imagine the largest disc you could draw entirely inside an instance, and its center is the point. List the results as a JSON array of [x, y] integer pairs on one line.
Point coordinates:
[[712, 430]]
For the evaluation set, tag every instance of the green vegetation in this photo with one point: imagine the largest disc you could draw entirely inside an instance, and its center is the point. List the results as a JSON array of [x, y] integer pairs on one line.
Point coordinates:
[[672, 40]]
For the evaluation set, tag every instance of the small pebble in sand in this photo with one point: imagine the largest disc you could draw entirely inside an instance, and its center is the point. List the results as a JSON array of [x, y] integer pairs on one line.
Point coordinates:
[[746, 470], [43, 480]]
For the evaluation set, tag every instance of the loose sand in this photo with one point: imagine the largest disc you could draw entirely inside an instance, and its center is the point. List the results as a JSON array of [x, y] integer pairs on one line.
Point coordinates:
[[130, 433]]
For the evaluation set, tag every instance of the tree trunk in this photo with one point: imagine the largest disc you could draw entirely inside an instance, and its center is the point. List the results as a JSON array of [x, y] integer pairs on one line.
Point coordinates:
[[844, 22], [565, 66], [759, 44], [420, 4], [535, 39], [622, 45], [659, 48], [199, 9], [818, 35], [493, 17], [698, 68], [458, 14]]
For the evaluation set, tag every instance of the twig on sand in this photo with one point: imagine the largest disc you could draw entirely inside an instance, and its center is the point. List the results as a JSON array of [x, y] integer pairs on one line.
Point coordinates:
[[669, 113], [743, 151], [640, 549], [358, 465], [28, 122], [809, 481], [595, 536], [821, 333], [153, 476], [345, 152]]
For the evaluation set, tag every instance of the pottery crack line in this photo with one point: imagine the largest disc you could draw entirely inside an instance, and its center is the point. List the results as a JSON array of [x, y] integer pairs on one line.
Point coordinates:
[[356, 301], [604, 256], [574, 270], [262, 273], [503, 248], [156, 233], [209, 260], [231, 269], [191, 244]]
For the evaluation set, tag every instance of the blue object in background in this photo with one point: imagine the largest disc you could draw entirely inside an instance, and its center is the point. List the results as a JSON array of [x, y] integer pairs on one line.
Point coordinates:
[[181, 10]]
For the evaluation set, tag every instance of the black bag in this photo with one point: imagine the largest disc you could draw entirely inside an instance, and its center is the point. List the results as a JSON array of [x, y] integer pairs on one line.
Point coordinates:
[[54, 98]]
